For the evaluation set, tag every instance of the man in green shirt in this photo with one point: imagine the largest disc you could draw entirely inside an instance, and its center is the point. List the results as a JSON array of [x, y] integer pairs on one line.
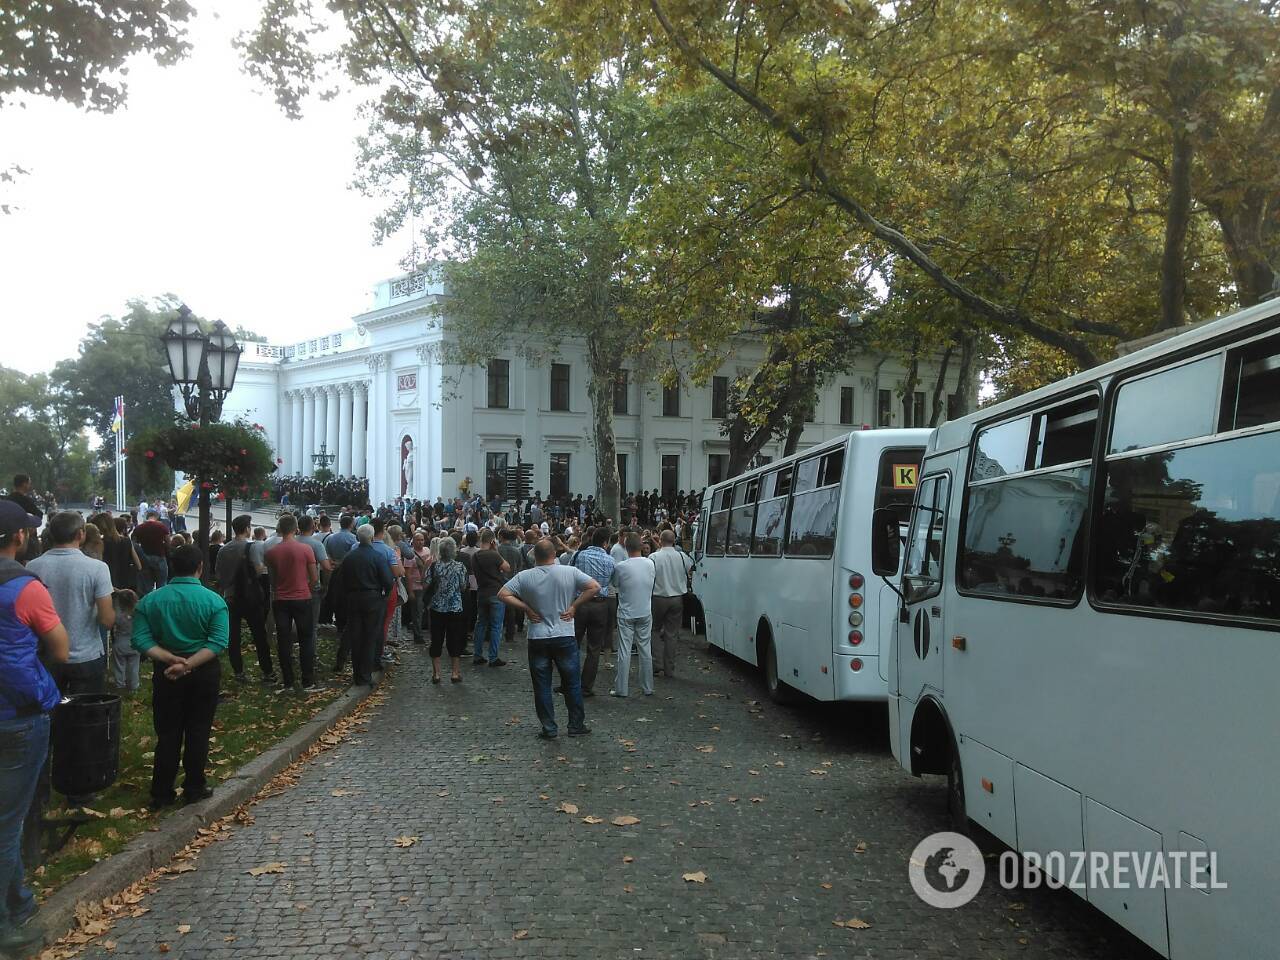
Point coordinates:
[[183, 628]]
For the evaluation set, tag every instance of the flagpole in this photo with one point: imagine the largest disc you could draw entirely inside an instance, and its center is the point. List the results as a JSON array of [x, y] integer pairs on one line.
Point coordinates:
[[120, 460]]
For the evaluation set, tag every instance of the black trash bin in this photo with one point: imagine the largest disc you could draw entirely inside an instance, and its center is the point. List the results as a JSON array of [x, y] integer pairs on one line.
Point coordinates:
[[86, 743]]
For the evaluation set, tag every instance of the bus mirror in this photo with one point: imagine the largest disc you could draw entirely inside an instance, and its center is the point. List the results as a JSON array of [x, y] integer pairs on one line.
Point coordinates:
[[886, 546]]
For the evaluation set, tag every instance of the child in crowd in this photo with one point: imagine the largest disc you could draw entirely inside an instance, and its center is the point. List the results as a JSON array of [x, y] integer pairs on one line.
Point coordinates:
[[124, 659]]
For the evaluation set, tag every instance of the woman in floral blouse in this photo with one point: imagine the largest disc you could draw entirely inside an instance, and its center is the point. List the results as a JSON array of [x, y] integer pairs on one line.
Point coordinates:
[[446, 579]]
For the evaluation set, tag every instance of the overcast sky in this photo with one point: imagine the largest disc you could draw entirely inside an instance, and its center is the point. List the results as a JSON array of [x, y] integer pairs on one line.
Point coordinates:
[[198, 187]]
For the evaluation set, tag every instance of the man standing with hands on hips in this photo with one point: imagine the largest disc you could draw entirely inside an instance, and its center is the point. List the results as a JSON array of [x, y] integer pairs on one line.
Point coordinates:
[[182, 627], [549, 595]]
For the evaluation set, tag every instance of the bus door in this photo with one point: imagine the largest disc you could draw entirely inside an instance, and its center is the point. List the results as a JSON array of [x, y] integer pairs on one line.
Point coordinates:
[[922, 627]]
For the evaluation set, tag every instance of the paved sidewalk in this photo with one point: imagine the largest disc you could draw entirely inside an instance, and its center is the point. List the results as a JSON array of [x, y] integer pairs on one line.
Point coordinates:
[[798, 818]]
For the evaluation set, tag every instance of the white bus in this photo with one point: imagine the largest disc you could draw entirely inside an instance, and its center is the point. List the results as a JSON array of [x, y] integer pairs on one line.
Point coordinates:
[[1089, 647], [783, 563]]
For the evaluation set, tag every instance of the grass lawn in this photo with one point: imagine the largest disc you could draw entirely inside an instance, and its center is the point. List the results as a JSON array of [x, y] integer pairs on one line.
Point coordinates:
[[250, 719]]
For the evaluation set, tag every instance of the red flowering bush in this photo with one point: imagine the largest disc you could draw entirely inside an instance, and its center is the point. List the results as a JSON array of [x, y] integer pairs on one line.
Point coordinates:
[[223, 455]]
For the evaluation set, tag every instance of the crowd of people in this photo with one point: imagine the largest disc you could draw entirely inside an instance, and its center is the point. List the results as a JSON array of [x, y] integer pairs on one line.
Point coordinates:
[[85, 601], [301, 491]]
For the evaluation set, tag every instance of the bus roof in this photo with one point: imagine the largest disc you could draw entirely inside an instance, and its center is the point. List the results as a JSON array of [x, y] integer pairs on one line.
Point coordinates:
[[956, 433], [881, 437]]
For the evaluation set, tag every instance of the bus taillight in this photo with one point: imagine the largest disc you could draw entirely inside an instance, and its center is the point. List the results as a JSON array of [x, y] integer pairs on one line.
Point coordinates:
[[855, 581], [855, 664], [855, 637], [855, 600]]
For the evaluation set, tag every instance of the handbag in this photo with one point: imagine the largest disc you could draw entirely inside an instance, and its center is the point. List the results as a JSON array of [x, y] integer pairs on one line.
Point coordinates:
[[248, 589]]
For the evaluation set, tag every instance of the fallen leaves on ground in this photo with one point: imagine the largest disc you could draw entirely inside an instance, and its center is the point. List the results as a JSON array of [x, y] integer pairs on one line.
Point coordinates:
[[757, 799], [825, 886], [593, 820], [566, 807], [861, 847], [706, 748], [341, 793], [628, 888], [628, 859], [184, 928], [625, 821], [274, 867], [405, 841], [854, 924], [520, 935], [698, 877]]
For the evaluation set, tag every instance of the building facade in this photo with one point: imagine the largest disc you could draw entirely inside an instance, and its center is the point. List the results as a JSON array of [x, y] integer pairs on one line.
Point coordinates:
[[377, 397]]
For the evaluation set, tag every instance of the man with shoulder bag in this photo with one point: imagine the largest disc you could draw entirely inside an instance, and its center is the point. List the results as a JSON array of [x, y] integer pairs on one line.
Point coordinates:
[[238, 572]]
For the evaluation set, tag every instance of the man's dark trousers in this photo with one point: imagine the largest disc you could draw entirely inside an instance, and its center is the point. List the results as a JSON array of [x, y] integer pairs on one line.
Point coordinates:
[[296, 615], [562, 654], [364, 613], [256, 616], [182, 711], [591, 623]]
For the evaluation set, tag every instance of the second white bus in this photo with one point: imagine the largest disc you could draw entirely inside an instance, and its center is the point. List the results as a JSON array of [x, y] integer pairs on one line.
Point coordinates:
[[783, 564]]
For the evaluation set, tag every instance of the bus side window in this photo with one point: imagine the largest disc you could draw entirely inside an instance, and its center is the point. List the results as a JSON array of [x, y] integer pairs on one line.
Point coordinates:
[[771, 513], [922, 573], [718, 526]]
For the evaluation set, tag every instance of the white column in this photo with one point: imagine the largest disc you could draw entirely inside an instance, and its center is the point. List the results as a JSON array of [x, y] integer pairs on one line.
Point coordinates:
[[284, 435], [297, 461], [344, 430], [359, 415], [308, 430], [318, 421], [331, 422], [380, 456]]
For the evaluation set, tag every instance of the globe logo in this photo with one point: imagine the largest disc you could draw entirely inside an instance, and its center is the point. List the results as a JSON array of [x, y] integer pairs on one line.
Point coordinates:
[[946, 870], [943, 873]]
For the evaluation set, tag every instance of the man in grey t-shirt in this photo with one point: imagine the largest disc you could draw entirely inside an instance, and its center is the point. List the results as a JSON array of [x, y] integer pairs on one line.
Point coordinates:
[[81, 591], [549, 595]]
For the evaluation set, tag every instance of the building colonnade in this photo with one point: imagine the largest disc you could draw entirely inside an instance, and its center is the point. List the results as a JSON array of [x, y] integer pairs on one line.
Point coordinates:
[[335, 415]]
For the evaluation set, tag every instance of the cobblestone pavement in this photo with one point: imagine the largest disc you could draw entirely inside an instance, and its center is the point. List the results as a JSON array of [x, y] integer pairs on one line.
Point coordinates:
[[798, 817]]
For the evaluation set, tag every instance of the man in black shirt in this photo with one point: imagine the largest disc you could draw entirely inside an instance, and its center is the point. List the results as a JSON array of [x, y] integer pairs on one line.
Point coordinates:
[[491, 572], [362, 584], [20, 493]]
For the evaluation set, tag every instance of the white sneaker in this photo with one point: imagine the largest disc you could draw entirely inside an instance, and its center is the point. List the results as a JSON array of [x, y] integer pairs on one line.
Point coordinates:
[[615, 693]]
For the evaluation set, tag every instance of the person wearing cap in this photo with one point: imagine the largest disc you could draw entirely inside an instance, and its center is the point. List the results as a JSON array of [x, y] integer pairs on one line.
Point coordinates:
[[28, 695]]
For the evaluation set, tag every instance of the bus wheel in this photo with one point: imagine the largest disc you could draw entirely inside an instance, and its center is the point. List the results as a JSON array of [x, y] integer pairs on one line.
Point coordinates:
[[955, 792], [779, 692]]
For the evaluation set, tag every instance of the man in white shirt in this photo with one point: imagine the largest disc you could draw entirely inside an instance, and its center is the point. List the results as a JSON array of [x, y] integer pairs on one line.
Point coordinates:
[[633, 580], [672, 567]]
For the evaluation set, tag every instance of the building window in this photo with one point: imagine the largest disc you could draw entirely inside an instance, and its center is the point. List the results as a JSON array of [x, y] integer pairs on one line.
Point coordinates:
[[670, 473], [811, 411], [671, 400], [884, 408], [846, 405], [717, 467], [558, 481], [621, 393], [495, 475], [719, 397], [559, 386], [622, 472], [499, 384], [917, 409]]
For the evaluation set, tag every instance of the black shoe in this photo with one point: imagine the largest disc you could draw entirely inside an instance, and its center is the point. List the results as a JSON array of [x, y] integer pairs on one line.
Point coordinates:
[[159, 803], [435, 679], [559, 689], [545, 735], [204, 793], [477, 660], [580, 732], [455, 679], [21, 938], [588, 693], [497, 663], [270, 680]]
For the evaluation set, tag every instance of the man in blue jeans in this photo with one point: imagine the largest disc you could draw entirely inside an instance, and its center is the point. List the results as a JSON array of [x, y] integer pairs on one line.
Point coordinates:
[[549, 595], [27, 696], [491, 572]]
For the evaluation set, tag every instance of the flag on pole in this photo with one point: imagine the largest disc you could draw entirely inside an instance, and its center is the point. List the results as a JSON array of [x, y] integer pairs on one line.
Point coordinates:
[[183, 495], [117, 422]]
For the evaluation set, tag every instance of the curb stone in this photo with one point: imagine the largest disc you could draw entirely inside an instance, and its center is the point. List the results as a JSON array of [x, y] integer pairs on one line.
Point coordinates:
[[153, 849]]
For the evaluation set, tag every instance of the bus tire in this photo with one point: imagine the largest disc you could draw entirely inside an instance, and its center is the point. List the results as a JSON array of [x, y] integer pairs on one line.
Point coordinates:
[[956, 812], [778, 691]]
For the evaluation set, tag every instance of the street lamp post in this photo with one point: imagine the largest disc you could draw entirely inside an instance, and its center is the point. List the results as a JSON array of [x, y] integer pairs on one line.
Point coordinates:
[[203, 367], [323, 459]]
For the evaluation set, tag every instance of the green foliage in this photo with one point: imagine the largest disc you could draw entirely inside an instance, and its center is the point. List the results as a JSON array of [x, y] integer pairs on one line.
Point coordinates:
[[323, 475], [41, 436], [233, 457], [122, 355], [76, 50]]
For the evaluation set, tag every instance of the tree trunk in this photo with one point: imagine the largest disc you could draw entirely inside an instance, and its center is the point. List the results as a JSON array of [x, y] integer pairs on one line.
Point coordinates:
[[962, 394], [794, 430], [937, 411], [909, 389], [604, 373], [1248, 232], [1173, 264]]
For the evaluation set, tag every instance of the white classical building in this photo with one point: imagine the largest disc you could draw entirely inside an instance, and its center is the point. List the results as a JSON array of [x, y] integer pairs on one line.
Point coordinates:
[[377, 397]]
